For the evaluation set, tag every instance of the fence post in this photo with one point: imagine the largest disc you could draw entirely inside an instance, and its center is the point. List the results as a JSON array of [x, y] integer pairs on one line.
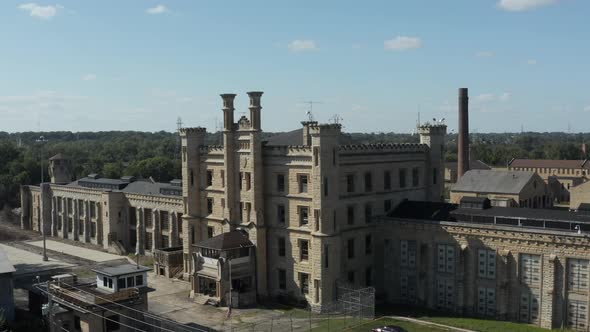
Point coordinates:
[[271, 321]]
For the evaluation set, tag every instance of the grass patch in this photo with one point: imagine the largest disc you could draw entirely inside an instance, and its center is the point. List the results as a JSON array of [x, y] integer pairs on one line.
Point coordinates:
[[485, 325], [147, 261], [353, 326]]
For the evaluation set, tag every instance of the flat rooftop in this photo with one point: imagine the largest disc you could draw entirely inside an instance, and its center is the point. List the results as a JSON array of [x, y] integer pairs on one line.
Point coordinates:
[[119, 270]]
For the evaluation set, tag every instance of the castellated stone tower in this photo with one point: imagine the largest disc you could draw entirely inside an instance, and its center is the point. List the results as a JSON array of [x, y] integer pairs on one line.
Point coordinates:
[[60, 169], [433, 135]]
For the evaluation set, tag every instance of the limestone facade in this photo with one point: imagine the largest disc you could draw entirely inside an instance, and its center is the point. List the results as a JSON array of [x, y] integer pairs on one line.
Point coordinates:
[[533, 276], [306, 206]]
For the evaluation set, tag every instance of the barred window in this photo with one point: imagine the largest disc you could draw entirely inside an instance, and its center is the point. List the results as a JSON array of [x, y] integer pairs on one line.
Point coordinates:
[[577, 317], [577, 274], [529, 307], [446, 258], [445, 294], [408, 253], [486, 263], [486, 301], [530, 269]]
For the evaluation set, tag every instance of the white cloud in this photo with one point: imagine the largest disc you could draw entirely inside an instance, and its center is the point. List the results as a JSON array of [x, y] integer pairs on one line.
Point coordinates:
[[159, 9], [522, 5], [402, 43], [41, 12], [300, 45], [531, 62], [484, 54], [89, 77], [491, 97]]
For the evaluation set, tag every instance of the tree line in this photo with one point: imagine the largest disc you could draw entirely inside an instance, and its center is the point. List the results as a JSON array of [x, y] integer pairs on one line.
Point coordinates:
[[157, 154]]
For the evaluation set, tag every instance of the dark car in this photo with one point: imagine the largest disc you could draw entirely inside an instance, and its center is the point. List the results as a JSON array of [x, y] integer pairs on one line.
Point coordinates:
[[389, 328]]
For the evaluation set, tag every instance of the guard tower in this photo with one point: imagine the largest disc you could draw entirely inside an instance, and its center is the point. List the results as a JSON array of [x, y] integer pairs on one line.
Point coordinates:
[[60, 169]]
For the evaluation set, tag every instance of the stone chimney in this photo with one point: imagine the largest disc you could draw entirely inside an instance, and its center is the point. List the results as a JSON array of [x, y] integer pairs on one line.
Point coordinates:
[[228, 110], [463, 134], [255, 109]]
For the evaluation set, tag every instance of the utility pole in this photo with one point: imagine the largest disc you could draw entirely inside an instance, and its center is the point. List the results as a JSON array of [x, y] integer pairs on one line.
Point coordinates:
[[42, 140], [49, 305]]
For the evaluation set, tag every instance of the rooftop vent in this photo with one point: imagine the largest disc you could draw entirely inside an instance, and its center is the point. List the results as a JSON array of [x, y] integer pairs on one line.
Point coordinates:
[[176, 182], [94, 176], [128, 178]]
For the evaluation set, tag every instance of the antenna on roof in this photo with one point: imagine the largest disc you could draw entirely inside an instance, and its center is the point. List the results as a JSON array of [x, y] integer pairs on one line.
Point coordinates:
[[179, 142], [336, 119]]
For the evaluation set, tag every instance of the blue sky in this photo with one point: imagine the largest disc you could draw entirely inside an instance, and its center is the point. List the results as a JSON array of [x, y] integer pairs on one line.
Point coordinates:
[[140, 64]]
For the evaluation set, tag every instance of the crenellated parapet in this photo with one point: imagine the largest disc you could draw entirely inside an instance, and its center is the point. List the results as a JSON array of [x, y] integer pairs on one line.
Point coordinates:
[[287, 150], [210, 149], [432, 129], [385, 147], [192, 130]]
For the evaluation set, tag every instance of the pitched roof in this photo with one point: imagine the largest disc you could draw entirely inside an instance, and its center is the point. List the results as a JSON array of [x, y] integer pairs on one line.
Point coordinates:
[[549, 163], [492, 181], [228, 240], [294, 137], [5, 264], [122, 269]]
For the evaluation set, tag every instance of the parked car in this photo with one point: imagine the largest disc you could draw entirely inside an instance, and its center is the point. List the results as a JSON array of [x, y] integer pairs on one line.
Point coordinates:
[[389, 328]]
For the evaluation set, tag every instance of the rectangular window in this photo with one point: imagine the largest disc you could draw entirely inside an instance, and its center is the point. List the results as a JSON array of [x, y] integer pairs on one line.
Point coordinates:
[[209, 232], [93, 230], [446, 258], [110, 283], [368, 277], [316, 218], [210, 205], [138, 280], [282, 279], [147, 217], [148, 241], [577, 315], [164, 220], [303, 250], [165, 243], [280, 183], [486, 301], [80, 208], [368, 182], [368, 245], [121, 284], [445, 294], [350, 214], [350, 248], [387, 180], [222, 178], [302, 184], [304, 283], [326, 247], [248, 180], [415, 177], [577, 274], [486, 264], [281, 213], [104, 281], [530, 269], [402, 178], [350, 183], [529, 307], [130, 282], [368, 212], [316, 156], [303, 215], [325, 186], [92, 210], [434, 175], [282, 247], [408, 253], [408, 284], [209, 178], [241, 180]]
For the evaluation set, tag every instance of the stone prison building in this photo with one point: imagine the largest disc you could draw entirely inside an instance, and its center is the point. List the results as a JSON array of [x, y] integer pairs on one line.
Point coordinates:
[[294, 215]]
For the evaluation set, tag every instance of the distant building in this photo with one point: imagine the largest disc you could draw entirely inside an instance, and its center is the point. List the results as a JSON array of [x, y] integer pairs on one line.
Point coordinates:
[[503, 188], [451, 169], [561, 175], [6, 286], [116, 301]]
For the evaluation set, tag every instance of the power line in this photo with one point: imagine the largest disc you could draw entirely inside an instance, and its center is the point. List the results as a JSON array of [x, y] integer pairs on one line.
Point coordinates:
[[109, 319], [140, 311]]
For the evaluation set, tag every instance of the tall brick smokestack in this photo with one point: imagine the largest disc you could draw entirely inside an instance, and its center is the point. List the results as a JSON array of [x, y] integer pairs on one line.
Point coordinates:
[[463, 148]]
